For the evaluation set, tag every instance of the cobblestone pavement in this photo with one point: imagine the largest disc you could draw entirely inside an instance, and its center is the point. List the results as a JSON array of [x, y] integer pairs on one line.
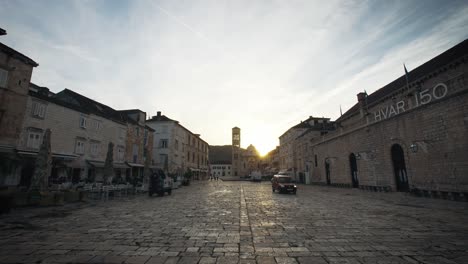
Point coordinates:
[[241, 222]]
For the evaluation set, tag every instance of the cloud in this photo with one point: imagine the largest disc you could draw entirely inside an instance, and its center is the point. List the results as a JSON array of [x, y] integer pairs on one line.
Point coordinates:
[[213, 65]]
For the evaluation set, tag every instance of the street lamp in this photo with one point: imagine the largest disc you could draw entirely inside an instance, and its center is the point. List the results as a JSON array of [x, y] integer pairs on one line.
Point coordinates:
[[414, 148]]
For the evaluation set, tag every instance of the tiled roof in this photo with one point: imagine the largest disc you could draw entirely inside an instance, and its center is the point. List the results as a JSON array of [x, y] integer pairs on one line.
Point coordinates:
[[15, 54], [458, 51], [90, 106], [73, 100]]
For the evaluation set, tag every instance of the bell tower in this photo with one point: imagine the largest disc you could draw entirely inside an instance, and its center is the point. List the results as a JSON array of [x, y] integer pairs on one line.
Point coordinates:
[[236, 153]]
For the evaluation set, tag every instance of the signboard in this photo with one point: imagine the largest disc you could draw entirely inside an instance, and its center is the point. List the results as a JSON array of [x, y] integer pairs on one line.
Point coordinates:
[[422, 97]]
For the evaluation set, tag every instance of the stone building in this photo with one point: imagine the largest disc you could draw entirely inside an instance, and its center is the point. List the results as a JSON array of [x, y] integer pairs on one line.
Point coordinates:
[[81, 130], [410, 135], [294, 142], [244, 161], [138, 143], [302, 161], [15, 76], [238, 164], [177, 149], [252, 159], [220, 170], [271, 162]]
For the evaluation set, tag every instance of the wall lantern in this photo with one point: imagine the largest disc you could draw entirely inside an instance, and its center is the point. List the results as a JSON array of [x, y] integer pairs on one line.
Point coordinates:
[[358, 156], [414, 148]]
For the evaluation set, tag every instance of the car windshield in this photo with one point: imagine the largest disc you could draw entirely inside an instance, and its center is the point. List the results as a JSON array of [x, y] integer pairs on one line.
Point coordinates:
[[284, 179]]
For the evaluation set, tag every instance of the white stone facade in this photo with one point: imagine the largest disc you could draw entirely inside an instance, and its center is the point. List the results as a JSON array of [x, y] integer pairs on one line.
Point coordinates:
[[176, 148], [221, 170], [76, 137]]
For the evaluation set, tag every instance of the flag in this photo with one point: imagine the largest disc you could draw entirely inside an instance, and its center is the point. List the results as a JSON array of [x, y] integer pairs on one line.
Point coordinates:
[[406, 76]]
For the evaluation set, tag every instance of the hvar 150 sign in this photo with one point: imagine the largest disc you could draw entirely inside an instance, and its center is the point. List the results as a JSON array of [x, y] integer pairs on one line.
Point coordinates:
[[423, 97]]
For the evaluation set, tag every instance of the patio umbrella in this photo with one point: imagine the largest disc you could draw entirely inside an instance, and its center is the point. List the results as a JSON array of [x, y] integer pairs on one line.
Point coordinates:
[[146, 169], [40, 178], [109, 164]]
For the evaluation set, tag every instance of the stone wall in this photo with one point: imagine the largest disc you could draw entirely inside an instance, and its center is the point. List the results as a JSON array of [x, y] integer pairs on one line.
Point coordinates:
[[13, 98], [433, 136]]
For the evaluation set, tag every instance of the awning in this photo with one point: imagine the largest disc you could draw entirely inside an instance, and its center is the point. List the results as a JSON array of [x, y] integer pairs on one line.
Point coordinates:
[[100, 164], [54, 155], [120, 166], [6, 149], [135, 165]]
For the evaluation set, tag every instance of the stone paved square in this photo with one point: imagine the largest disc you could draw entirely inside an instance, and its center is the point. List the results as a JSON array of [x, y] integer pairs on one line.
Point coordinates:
[[241, 222]]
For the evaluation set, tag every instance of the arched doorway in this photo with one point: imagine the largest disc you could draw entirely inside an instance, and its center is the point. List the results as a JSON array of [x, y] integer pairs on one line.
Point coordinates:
[[327, 171], [354, 171], [399, 168]]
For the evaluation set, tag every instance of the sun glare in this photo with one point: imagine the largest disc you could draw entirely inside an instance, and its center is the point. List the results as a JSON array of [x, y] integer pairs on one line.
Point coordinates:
[[262, 143]]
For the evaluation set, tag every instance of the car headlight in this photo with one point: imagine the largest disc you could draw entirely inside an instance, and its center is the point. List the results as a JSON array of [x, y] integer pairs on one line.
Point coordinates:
[[295, 186], [281, 186]]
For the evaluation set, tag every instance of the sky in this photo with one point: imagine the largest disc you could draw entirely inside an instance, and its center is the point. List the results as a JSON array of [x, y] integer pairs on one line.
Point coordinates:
[[263, 66]]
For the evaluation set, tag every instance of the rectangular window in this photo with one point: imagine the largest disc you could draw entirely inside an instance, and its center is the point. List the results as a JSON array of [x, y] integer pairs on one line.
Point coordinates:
[[135, 153], [163, 143], [176, 145], [82, 122], [162, 158], [188, 156], [95, 148], [34, 139], [3, 78], [96, 125], [138, 131], [38, 109], [79, 146], [316, 163], [145, 137], [122, 133], [120, 153]]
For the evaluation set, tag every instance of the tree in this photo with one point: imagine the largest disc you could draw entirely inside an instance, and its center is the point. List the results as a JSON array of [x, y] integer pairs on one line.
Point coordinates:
[[40, 179], [109, 164]]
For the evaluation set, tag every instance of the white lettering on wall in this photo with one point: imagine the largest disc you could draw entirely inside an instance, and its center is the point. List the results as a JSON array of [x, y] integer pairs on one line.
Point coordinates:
[[423, 97]]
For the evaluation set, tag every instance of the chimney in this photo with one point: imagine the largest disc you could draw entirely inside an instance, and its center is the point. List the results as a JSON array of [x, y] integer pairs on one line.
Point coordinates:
[[159, 113], [361, 97], [362, 103]]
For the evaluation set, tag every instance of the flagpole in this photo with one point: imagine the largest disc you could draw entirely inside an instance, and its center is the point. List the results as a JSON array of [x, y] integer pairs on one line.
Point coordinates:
[[406, 76]]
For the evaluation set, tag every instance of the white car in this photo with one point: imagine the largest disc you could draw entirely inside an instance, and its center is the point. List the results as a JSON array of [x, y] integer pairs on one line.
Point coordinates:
[[256, 176]]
